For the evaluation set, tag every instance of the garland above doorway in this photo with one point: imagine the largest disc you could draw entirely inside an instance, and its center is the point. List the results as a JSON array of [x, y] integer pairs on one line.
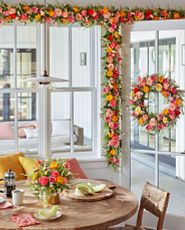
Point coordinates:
[[111, 19]]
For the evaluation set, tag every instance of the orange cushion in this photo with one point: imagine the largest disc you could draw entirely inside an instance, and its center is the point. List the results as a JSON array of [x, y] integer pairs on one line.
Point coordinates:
[[11, 161], [76, 169]]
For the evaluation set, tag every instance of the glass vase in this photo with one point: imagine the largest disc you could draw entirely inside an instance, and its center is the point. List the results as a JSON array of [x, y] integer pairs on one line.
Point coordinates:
[[44, 200]]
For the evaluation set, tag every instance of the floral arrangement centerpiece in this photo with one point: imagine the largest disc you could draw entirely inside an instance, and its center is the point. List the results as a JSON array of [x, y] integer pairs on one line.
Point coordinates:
[[50, 177], [156, 83]]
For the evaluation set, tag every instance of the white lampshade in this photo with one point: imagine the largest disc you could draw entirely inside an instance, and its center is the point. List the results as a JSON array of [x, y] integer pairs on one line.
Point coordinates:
[[45, 79]]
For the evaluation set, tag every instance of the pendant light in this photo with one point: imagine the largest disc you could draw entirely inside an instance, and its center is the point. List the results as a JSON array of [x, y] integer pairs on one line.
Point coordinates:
[[45, 78]]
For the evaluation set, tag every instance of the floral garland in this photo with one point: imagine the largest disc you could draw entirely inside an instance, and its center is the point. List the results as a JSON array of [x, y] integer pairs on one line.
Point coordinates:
[[154, 122], [111, 19]]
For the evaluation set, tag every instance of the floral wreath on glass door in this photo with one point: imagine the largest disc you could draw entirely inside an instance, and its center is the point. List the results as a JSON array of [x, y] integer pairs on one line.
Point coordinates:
[[155, 122]]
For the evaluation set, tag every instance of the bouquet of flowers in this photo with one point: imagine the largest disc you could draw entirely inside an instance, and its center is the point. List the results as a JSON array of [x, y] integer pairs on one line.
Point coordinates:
[[50, 176]]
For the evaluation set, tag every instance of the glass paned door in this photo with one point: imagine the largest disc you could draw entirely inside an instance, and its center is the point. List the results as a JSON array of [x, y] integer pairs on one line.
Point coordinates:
[[157, 158]]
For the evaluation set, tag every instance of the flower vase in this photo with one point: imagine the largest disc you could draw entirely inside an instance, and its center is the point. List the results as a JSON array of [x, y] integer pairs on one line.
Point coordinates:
[[44, 200], [54, 199]]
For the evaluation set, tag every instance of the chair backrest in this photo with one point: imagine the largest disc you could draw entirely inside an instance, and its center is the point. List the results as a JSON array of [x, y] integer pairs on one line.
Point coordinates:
[[154, 200]]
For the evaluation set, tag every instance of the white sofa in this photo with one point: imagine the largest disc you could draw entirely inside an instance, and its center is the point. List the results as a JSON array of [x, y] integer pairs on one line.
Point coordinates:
[[60, 137]]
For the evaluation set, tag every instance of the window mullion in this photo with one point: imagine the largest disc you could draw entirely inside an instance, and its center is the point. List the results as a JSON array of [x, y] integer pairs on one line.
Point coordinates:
[[157, 110], [15, 86], [70, 43]]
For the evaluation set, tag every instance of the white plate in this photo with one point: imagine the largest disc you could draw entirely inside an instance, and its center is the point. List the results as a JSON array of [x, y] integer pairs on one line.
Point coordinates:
[[38, 216], [2, 200]]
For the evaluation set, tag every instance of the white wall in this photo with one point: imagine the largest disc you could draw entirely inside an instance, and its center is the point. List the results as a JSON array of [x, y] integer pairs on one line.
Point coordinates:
[[131, 3]]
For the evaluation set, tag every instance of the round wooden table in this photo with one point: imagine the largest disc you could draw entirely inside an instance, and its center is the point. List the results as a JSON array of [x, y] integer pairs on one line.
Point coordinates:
[[97, 215]]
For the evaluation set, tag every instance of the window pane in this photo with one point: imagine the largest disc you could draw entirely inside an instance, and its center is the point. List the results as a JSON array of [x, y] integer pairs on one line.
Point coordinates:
[[142, 170], [28, 133], [83, 121], [171, 183], [59, 53], [61, 122], [81, 57], [7, 114], [26, 54], [142, 64], [6, 56]]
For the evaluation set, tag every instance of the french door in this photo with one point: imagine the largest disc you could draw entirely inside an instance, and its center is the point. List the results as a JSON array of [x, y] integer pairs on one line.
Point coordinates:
[[159, 158]]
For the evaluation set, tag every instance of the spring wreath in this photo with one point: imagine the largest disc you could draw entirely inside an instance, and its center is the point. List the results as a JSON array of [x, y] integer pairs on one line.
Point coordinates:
[[155, 122]]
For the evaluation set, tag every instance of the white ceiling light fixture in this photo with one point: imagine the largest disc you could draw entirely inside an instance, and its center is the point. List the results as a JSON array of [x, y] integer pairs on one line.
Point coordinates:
[[45, 78]]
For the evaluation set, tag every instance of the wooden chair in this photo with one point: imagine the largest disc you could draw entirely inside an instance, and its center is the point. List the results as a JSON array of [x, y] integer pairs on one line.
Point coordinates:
[[155, 201]]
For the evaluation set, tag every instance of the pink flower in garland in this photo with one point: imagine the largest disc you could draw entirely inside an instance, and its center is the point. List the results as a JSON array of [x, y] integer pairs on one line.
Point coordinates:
[[23, 17], [113, 103], [110, 59], [79, 17], [114, 160], [139, 15], [160, 117], [35, 9], [110, 66], [107, 15], [107, 119], [113, 125], [148, 128], [87, 21], [58, 12], [1, 10], [116, 92], [114, 143], [112, 28], [174, 90], [119, 59], [113, 45], [160, 126], [71, 19], [149, 81], [116, 73], [172, 116], [6, 13], [166, 86], [65, 14], [109, 113], [106, 90], [172, 106], [49, 20], [84, 13]]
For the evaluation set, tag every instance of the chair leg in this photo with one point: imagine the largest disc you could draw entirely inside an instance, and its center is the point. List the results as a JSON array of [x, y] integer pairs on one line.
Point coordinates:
[[140, 217]]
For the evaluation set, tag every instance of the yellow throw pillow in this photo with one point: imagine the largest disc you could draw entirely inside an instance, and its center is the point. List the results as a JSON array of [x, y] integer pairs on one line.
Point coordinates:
[[11, 161], [28, 164]]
